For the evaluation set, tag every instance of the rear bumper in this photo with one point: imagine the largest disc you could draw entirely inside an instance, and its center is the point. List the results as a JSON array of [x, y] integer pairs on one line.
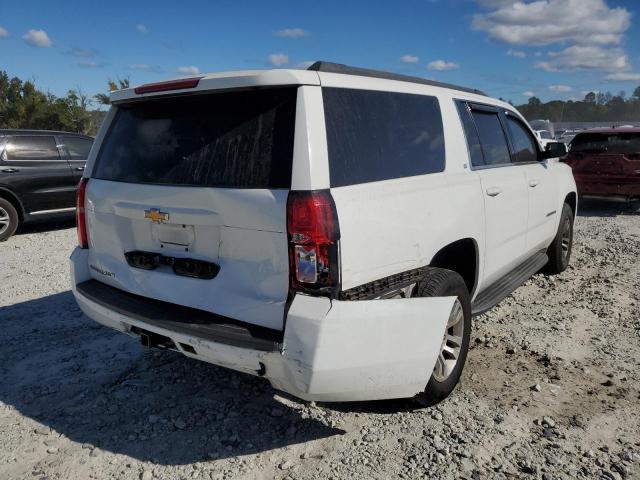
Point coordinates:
[[329, 351], [608, 185]]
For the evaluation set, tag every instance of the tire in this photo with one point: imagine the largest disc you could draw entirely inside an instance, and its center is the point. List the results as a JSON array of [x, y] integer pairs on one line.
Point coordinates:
[[443, 283], [8, 219], [559, 252]]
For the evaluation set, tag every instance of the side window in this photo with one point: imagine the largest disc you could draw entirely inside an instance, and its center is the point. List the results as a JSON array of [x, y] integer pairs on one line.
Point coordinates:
[[77, 147], [32, 147], [373, 136], [524, 145], [492, 138], [471, 134]]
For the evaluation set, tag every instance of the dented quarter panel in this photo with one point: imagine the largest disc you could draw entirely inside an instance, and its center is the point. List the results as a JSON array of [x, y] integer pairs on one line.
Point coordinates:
[[363, 350]]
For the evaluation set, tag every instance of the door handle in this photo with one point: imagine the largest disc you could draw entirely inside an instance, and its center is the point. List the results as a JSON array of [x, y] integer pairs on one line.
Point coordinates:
[[533, 182], [10, 170], [494, 191], [80, 169]]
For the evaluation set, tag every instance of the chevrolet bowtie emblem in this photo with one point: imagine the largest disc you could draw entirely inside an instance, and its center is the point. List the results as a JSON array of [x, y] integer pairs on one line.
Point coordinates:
[[156, 215]]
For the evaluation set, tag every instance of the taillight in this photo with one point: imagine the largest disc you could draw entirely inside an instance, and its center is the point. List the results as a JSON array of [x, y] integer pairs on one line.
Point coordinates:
[[81, 219], [313, 232]]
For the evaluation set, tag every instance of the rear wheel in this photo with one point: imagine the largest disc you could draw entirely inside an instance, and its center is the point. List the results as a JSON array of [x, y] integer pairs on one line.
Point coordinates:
[[8, 219], [559, 252], [455, 344]]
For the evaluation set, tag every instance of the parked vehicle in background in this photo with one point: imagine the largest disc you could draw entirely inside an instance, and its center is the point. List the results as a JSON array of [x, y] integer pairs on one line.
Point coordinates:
[[606, 163], [567, 136], [332, 230], [39, 174], [544, 137]]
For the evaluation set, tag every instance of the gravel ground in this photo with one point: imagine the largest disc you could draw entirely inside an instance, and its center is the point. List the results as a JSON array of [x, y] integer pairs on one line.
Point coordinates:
[[550, 389]]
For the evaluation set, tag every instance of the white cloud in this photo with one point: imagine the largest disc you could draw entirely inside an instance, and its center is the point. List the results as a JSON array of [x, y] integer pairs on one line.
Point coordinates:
[[441, 65], [3, 32], [409, 59], [586, 58], [142, 28], [292, 33], [560, 88], [90, 64], [145, 67], [278, 59], [516, 53], [82, 52], [624, 77], [544, 22], [37, 38], [528, 93], [188, 70]]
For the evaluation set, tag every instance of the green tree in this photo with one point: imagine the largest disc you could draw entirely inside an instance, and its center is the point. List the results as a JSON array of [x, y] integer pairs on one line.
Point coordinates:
[[103, 98]]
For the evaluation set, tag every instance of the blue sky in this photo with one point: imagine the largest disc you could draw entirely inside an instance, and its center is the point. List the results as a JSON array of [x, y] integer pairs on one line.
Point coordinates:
[[508, 48]]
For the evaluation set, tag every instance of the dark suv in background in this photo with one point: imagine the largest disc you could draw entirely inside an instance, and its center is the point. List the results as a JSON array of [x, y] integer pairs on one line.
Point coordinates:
[[39, 173]]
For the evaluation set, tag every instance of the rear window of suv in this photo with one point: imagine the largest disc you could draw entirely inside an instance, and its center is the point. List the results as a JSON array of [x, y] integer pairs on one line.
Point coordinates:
[[238, 139], [374, 135], [623, 142]]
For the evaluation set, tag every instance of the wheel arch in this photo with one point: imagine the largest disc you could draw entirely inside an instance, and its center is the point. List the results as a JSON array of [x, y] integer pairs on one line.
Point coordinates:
[[461, 256], [14, 200], [572, 200]]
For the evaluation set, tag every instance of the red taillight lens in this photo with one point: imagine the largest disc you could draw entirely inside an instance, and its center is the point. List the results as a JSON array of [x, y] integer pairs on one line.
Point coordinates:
[[312, 227], [81, 219]]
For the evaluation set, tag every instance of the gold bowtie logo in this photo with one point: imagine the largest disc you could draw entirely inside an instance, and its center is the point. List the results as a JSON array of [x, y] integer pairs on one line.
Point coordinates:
[[156, 215]]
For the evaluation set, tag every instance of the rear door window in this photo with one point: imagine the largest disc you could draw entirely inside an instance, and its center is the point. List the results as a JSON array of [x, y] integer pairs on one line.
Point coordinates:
[[495, 148], [373, 136], [32, 147], [77, 147], [524, 145], [240, 139], [471, 134]]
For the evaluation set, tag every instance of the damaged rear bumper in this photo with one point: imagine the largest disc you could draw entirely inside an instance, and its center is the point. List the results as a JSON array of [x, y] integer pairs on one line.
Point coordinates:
[[330, 351]]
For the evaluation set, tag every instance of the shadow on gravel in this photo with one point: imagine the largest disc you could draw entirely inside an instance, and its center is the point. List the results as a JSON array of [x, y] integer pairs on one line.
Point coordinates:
[[102, 389], [604, 208], [40, 226]]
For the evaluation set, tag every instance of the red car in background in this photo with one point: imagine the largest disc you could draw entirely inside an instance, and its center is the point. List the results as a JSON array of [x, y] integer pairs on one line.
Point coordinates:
[[606, 163]]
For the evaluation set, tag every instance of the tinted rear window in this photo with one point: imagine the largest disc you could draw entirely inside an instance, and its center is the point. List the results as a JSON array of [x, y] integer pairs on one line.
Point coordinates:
[[78, 147], [628, 142], [374, 136], [235, 139], [32, 147]]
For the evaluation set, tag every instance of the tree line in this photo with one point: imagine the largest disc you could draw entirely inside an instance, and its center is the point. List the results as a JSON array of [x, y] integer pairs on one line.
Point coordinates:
[[22, 105], [595, 107]]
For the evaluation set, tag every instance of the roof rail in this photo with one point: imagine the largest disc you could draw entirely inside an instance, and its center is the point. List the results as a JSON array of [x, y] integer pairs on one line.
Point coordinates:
[[330, 67]]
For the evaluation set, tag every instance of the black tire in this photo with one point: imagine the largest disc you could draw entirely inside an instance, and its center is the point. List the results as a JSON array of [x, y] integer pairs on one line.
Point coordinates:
[[8, 219], [559, 252], [443, 283]]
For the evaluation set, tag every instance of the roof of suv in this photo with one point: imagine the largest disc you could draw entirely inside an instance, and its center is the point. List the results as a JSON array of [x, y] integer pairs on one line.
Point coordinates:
[[329, 67], [264, 78], [609, 131], [26, 131]]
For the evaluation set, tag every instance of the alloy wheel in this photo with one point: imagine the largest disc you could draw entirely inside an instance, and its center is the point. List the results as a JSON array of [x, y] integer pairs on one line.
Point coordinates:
[[4, 220], [451, 344]]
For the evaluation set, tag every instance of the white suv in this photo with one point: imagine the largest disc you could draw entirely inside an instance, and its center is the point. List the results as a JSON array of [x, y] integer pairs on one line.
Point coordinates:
[[332, 230]]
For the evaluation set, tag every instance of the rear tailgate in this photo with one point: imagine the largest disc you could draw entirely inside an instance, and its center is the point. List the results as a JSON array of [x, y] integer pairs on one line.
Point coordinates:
[[605, 164], [199, 178]]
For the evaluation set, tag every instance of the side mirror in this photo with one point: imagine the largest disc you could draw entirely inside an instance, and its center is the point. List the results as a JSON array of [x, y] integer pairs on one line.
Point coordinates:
[[554, 150]]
